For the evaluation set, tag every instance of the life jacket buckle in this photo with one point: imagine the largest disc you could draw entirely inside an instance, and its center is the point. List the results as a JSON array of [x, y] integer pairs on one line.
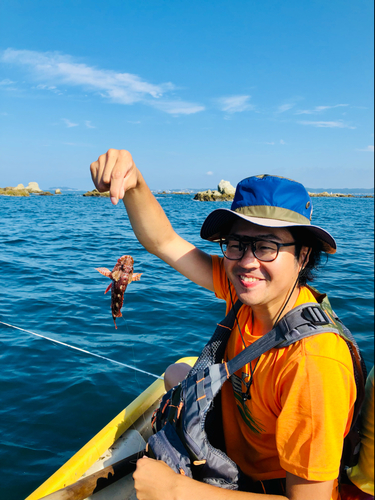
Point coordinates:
[[315, 315]]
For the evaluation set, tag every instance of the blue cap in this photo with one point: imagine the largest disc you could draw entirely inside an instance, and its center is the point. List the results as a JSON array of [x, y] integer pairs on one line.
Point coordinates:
[[269, 201]]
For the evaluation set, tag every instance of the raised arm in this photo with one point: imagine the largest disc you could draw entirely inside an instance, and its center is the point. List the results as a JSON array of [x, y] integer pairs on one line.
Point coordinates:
[[116, 171]]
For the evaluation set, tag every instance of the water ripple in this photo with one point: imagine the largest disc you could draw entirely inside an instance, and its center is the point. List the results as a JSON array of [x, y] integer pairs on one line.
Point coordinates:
[[55, 399]]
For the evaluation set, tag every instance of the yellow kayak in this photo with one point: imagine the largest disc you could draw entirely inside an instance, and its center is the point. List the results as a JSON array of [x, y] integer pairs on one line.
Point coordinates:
[[123, 437]]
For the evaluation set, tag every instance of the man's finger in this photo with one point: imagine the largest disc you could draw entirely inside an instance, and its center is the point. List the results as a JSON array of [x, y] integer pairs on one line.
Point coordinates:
[[122, 166]]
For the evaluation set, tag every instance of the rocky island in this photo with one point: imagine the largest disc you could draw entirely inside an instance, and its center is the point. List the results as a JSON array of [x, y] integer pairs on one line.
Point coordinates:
[[225, 192], [21, 190], [97, 194]]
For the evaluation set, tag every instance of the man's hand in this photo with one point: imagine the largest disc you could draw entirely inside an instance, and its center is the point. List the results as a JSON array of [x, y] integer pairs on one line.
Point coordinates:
[[154, 480], [114, 171]]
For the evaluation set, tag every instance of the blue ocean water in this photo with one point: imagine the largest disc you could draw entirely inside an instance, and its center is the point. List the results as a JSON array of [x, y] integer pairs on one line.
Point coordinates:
[[53, 399]]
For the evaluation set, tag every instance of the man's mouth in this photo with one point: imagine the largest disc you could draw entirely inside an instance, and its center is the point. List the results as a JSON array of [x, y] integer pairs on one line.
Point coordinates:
[[249, 279]]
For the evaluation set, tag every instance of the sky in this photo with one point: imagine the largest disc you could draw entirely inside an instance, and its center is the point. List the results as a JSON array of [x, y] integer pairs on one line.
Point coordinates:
[[197, 91]]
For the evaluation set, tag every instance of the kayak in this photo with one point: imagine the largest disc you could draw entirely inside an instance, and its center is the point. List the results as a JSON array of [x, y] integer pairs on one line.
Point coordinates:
[[123, 437]]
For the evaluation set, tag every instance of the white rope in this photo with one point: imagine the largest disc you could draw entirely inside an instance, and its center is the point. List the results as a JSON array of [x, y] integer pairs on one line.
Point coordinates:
[[83, 350]]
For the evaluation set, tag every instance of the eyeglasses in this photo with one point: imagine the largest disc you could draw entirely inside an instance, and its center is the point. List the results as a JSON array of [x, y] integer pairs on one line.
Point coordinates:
[[234, 247]]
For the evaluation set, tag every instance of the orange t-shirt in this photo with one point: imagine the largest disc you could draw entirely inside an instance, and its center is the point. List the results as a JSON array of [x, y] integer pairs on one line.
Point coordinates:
[[301, 405]]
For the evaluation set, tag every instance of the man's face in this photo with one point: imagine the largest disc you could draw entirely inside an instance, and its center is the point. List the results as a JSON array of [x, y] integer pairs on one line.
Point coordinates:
[[263, 284]]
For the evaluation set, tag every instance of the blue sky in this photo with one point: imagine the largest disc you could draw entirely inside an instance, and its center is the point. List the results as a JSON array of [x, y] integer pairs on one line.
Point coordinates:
[[197, 91]]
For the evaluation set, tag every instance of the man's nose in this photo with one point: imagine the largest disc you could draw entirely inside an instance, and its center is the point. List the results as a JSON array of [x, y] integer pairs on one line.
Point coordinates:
[[249, 257]]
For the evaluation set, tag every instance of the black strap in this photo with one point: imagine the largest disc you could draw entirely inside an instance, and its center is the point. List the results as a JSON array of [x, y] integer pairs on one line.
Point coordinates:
[[213, 351]]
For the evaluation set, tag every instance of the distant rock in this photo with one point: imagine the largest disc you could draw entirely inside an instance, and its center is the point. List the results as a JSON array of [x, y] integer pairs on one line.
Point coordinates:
[[33, 187], [225, 192], [57, 191], [11, 191], [226, 188], [96, 193], [325, 194], [21, 190]]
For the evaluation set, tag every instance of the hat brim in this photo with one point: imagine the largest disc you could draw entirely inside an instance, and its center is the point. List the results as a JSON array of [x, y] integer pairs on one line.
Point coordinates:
[[217, 220]]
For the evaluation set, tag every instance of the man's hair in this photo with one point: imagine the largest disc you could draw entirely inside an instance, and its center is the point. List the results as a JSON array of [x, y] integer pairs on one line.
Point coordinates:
[[304, 238]]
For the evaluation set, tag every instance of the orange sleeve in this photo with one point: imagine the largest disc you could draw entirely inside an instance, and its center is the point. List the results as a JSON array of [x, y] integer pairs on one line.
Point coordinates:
[[317, 395]]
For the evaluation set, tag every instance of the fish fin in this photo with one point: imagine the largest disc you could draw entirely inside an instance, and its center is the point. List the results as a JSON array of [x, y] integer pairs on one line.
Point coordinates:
[[136, 277], [108, 288], [104, 271]]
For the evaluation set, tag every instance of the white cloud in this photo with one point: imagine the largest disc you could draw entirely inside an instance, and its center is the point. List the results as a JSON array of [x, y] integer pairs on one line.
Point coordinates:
[[318, 109], [235, 103], [6, 81], [369, 149], [68, 123], [337, 124], [209, 173], [53, 68], [270, 143], [282, 142], [177, 107], [285, 107], [89, 124]]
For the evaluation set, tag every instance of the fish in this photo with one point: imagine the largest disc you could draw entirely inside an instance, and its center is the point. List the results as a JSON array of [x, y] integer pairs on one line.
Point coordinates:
[[121, 275]]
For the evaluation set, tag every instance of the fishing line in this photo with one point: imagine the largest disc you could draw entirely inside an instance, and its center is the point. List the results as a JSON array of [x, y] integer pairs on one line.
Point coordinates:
[[84, 351]]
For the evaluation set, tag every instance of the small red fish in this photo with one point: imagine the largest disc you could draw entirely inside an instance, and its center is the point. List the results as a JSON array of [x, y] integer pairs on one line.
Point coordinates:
[[121, 276]]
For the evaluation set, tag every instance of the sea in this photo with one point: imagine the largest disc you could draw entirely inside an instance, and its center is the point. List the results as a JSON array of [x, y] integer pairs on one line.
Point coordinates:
[[53, 398]]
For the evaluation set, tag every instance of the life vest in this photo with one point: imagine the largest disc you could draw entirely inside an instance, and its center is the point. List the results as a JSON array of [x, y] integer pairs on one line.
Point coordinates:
[[361, 476], [182, 424]]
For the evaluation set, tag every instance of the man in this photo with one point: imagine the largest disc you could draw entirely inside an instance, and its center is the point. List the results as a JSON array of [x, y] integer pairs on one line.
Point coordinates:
[[299, 400]]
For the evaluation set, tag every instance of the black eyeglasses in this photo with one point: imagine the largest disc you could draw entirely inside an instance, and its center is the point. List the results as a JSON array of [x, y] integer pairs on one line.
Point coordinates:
[[234, 247]]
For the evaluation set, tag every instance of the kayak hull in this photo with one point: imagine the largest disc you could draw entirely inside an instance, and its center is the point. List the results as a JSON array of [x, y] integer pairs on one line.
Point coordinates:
[[125, 435]]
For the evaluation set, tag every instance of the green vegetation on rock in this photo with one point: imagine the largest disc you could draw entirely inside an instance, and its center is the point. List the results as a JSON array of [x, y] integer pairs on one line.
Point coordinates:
[[10, 191], [96, 193]]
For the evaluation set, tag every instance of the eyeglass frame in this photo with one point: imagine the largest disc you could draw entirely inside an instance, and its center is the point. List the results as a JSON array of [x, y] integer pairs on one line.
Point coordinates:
[[250, 242]]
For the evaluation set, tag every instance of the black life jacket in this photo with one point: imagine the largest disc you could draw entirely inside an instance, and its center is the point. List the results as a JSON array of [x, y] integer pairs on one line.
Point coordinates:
[[188, 428]]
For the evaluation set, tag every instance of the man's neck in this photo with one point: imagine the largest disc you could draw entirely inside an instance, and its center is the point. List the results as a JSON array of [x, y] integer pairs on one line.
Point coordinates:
[[265, 318]]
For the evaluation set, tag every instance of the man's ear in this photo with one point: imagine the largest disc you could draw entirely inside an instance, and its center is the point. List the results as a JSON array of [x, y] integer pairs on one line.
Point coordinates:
[[304, 257]]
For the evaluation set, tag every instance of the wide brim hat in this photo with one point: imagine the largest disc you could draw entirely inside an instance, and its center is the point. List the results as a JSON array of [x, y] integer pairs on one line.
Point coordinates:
[[269, 201]]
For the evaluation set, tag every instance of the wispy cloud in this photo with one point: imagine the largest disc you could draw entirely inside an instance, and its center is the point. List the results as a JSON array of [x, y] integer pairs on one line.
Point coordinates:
[[369, 149], [321, 124], [209, 173], [52, 68], [319, 109], [68, 123], [6, 81], [281, 141], [51, 88], [235, 103], [176, 107], [89, 124], [285, 107]]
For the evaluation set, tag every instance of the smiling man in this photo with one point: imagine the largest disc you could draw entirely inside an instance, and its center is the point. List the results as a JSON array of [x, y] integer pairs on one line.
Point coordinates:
[[285, 415]]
